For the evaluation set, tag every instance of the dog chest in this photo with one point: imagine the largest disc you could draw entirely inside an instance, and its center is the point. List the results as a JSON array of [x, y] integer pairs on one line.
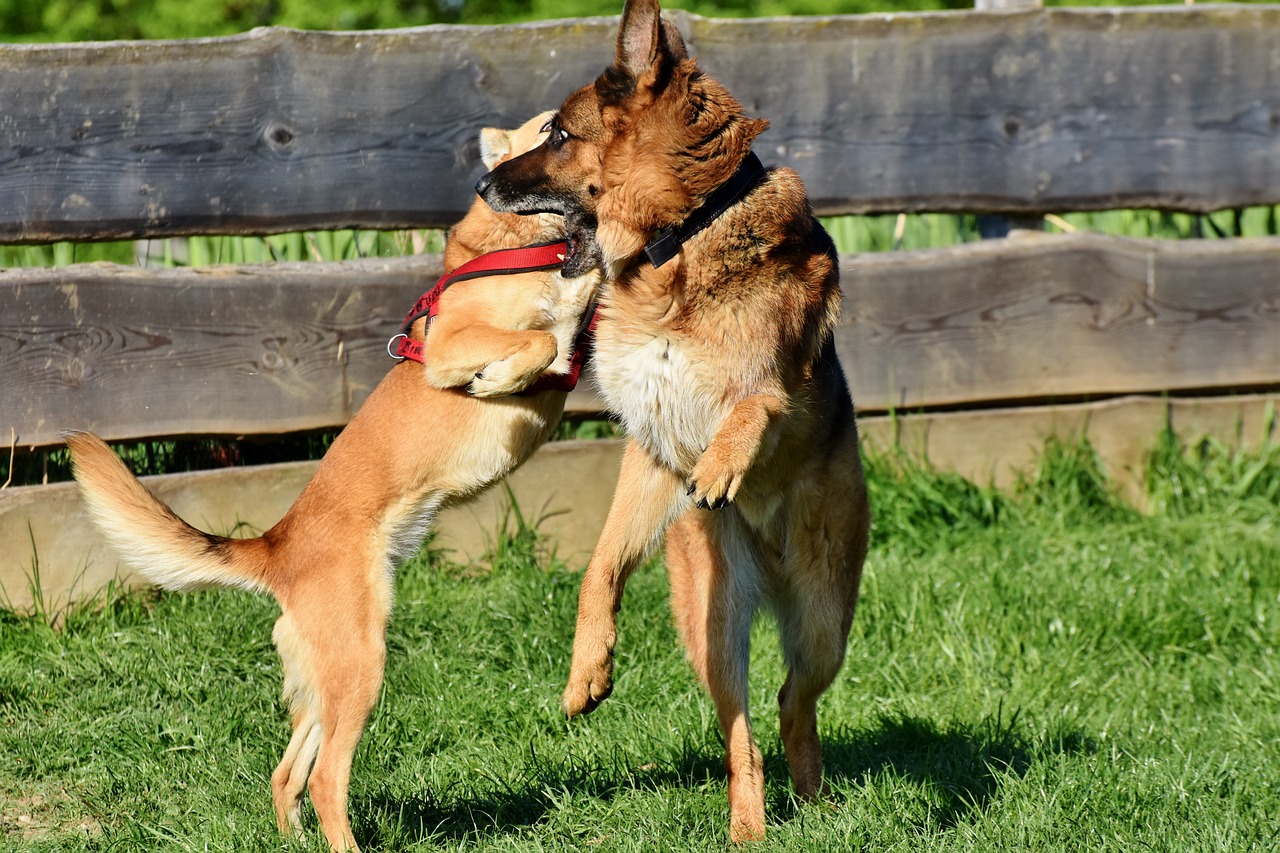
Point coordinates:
[[653, 385]]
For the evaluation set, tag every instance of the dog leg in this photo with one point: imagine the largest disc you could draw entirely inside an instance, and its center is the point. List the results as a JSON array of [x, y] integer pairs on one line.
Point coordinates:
[[349, 694], [736, 445], [714, 595], [821, 571], [648, 495], [290, 778]]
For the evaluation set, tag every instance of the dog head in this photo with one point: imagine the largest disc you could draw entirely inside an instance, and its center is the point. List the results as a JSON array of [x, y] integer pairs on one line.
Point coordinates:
[[637, 150], [484, 230], [497, 145], [560, 176]]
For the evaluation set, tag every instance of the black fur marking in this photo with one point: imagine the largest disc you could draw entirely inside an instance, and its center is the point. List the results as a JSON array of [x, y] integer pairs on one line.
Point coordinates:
[[614, 86]]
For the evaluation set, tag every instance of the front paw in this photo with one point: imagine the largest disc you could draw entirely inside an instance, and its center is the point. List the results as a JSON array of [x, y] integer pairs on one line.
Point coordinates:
[[715, 481], [505, 377], [589, 684]]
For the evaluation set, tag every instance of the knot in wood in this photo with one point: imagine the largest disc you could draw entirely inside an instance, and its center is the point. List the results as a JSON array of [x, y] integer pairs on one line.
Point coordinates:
[[279, 137]]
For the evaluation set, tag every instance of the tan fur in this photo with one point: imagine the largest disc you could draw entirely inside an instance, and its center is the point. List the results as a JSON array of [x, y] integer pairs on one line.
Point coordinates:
[[416, 444], [722, 368]]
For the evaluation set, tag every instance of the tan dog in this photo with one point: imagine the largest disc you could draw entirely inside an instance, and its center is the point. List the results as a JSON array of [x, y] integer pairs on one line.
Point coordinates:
[[415, 445], [720, 363]]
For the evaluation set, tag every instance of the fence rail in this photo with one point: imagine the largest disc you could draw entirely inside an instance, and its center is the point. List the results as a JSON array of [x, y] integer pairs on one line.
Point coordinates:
[[136, 353], [278, 130], [986, 347]]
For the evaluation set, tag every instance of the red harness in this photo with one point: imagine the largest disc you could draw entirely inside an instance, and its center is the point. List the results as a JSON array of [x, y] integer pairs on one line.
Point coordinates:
[[543, 256]]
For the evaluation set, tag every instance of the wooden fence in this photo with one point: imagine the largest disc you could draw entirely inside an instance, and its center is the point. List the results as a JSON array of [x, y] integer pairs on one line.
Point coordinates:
[[969, 355]]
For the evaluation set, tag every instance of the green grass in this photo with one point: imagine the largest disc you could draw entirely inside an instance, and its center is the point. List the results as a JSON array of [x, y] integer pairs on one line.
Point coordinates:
[[1047, 670]]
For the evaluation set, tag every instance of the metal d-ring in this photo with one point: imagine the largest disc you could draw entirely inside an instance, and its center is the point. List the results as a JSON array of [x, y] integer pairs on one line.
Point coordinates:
[[392, 341]]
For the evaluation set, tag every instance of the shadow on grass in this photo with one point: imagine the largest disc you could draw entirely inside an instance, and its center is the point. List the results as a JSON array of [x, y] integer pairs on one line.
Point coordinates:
[[962, 769], [459, 814]]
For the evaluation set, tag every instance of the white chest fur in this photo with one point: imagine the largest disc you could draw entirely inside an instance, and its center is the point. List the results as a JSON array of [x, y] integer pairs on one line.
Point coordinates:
[[651, 382]]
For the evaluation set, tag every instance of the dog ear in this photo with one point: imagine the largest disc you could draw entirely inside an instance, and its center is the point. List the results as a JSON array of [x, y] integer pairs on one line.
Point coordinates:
[[673, 43], [639, 37], [495, 143]]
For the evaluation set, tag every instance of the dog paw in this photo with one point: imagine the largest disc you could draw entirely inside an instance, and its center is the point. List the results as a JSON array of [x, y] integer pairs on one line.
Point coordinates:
[[588, 686], [502, 378], [715, 482]]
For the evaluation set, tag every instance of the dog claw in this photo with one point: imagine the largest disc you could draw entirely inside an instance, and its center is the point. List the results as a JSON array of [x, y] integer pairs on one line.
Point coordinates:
[[586, 706], [706, 501]]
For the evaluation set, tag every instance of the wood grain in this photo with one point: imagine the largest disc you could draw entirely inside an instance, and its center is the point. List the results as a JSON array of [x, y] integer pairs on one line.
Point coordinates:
[[267, 349], [1054, 317], [228, 350], [279, 130]]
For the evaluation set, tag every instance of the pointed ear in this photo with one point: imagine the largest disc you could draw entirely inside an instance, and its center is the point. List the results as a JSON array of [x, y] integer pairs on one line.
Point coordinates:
[[495, 143], [639, 37], [673, 43]]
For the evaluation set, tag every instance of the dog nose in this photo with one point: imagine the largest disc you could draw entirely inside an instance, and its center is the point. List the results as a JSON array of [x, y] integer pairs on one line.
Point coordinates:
[[483, 184]]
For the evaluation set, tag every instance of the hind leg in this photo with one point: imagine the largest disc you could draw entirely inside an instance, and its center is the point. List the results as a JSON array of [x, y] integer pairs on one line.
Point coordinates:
[[713, 597], [819, 583], [349, 690], [334, 659], [290, 778]]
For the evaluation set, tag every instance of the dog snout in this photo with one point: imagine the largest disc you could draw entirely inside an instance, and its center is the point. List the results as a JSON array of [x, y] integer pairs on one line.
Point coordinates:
[[482, 185]]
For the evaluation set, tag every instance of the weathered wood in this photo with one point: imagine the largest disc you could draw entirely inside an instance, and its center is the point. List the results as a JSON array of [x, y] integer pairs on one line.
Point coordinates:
[[279, 130], [135, 353], [566, 487], [220, 350], [997, 446], [1059, 317], [1008, 5], [266, 349]]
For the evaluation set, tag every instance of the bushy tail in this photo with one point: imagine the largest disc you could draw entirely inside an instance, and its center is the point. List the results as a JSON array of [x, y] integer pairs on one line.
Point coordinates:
[[149, 536]]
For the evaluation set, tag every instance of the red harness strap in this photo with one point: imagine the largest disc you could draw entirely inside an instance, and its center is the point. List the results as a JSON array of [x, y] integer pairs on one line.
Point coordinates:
[[502, 262]]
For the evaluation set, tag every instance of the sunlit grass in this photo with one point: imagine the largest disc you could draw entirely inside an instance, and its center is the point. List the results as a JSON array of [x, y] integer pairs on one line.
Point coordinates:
[[1039, 670]]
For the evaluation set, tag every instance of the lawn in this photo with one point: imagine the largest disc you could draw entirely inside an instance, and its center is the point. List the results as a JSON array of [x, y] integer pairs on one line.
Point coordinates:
[[1043, 671]]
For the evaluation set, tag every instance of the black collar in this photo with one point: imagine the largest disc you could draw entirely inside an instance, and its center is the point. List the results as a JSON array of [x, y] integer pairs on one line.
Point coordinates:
[[666, 244]]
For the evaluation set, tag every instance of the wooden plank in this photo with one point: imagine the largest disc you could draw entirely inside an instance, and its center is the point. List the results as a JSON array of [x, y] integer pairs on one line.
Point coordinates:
[[564, 489], [1059, 317], [228, 350], [221, 350], [265, 349], [279, 130], [997, 446], [567, 486]]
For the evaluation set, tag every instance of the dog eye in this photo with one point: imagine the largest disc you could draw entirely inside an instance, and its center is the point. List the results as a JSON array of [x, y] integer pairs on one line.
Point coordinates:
[[556, 135], [546, 128]]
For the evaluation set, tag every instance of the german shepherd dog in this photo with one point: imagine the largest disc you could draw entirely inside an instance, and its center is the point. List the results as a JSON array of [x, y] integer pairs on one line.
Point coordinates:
[[714, 348], [418, 442]]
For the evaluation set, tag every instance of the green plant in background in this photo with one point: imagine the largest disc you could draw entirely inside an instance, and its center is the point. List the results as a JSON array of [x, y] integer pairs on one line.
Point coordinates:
[[86, 20]]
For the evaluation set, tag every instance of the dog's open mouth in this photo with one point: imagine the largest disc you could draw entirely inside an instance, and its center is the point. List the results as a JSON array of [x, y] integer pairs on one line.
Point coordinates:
[[582, 252]]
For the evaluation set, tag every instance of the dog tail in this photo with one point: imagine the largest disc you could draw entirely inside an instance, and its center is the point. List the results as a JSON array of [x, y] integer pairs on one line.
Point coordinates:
[[152, 539]]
